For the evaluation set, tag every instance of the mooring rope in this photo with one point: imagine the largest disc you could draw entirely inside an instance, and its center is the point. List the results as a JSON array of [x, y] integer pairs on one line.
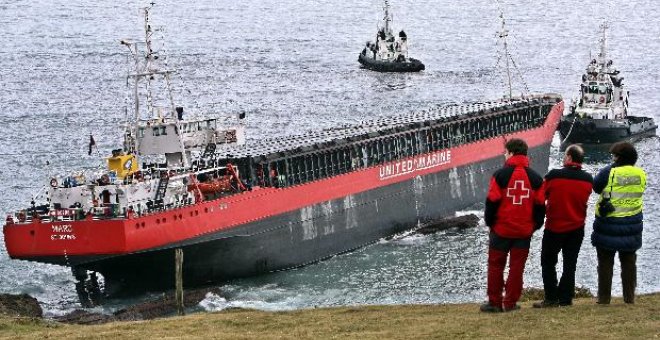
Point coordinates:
[[571, 128]]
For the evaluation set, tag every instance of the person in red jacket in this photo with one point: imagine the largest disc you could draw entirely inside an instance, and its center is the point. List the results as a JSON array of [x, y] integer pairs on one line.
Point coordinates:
[[567, 193], [515, 207]]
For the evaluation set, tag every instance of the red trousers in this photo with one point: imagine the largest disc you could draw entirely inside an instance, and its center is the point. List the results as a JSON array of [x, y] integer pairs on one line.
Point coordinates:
[[514, 283]]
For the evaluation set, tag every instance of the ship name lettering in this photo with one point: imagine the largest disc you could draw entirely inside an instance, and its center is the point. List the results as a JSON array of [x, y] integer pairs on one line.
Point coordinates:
[[62, 232], [418, 163], [57, 237], [64, 228]]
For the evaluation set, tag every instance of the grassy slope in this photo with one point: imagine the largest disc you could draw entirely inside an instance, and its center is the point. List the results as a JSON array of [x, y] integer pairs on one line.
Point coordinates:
[[583, 320]]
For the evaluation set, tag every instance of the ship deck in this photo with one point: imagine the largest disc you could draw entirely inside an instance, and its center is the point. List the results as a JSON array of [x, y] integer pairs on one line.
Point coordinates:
[[375, 127]]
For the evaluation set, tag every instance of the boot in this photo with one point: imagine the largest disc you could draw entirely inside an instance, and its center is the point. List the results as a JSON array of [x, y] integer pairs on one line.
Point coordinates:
[[628, 275], [605, 267]]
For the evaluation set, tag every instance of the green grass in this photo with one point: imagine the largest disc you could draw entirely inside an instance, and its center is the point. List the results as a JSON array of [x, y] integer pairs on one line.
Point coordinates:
[[584, 320]]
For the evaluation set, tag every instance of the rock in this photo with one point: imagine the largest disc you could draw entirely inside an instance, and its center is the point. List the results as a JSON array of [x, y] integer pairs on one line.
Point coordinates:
[[161, 307], [532, 294], [583, 292], [83, 317], [20, 305], [537, 294], [460, 222], [164, 306]]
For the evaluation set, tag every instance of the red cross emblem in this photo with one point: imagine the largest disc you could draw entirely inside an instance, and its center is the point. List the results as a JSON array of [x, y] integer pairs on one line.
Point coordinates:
[[518, 192]]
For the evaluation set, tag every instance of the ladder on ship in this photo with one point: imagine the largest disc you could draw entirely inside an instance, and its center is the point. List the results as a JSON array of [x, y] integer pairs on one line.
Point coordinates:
[[162, 188]]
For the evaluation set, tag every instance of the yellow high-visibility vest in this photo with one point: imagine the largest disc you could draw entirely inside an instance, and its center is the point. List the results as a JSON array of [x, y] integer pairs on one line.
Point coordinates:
[[625, 188]]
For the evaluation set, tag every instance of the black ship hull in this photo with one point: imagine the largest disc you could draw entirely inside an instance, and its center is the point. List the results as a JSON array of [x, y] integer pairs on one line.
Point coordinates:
[[602, 133], [411, 65], [306, 235]]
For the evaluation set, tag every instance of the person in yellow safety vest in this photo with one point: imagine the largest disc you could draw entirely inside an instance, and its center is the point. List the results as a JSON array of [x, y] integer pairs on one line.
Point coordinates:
[[619, 220]]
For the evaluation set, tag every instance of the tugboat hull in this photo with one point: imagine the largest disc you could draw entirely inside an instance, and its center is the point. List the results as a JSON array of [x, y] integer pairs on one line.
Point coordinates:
[[602, 133], [411, 65]]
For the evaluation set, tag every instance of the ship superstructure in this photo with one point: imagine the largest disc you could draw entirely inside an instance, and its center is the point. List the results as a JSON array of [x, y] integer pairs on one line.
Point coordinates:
[[159, 134]]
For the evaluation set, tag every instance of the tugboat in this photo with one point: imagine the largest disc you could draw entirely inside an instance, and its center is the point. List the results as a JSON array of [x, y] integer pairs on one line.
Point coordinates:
[[236, 209], [389, 53], [600, 116]]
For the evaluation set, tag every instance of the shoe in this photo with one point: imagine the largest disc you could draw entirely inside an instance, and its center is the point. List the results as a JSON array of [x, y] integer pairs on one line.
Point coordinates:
[[565, 303], [603, 300], [546, 304], [488, 308], [512, 308]]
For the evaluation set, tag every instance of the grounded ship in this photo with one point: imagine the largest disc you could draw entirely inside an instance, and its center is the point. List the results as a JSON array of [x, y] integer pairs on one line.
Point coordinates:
[[389, 54], [239, 210], [600, 117]]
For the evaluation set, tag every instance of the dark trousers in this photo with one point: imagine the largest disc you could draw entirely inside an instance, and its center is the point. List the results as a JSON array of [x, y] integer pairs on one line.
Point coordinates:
[[628, 274], [498, 251], [569, 244]]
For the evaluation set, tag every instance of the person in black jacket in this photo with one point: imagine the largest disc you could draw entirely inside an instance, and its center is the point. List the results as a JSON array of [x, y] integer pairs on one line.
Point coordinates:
[[567, 192]]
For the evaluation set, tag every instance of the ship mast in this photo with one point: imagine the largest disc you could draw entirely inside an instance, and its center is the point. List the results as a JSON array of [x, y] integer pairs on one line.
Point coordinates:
[[148, 71], [603, 45], [503, 33], [388, 18], [132, 144], [148, 59]]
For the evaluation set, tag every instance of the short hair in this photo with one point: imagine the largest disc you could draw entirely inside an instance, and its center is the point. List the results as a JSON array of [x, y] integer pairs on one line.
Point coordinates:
[[516, 146], [625, 152], [576, 152]]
